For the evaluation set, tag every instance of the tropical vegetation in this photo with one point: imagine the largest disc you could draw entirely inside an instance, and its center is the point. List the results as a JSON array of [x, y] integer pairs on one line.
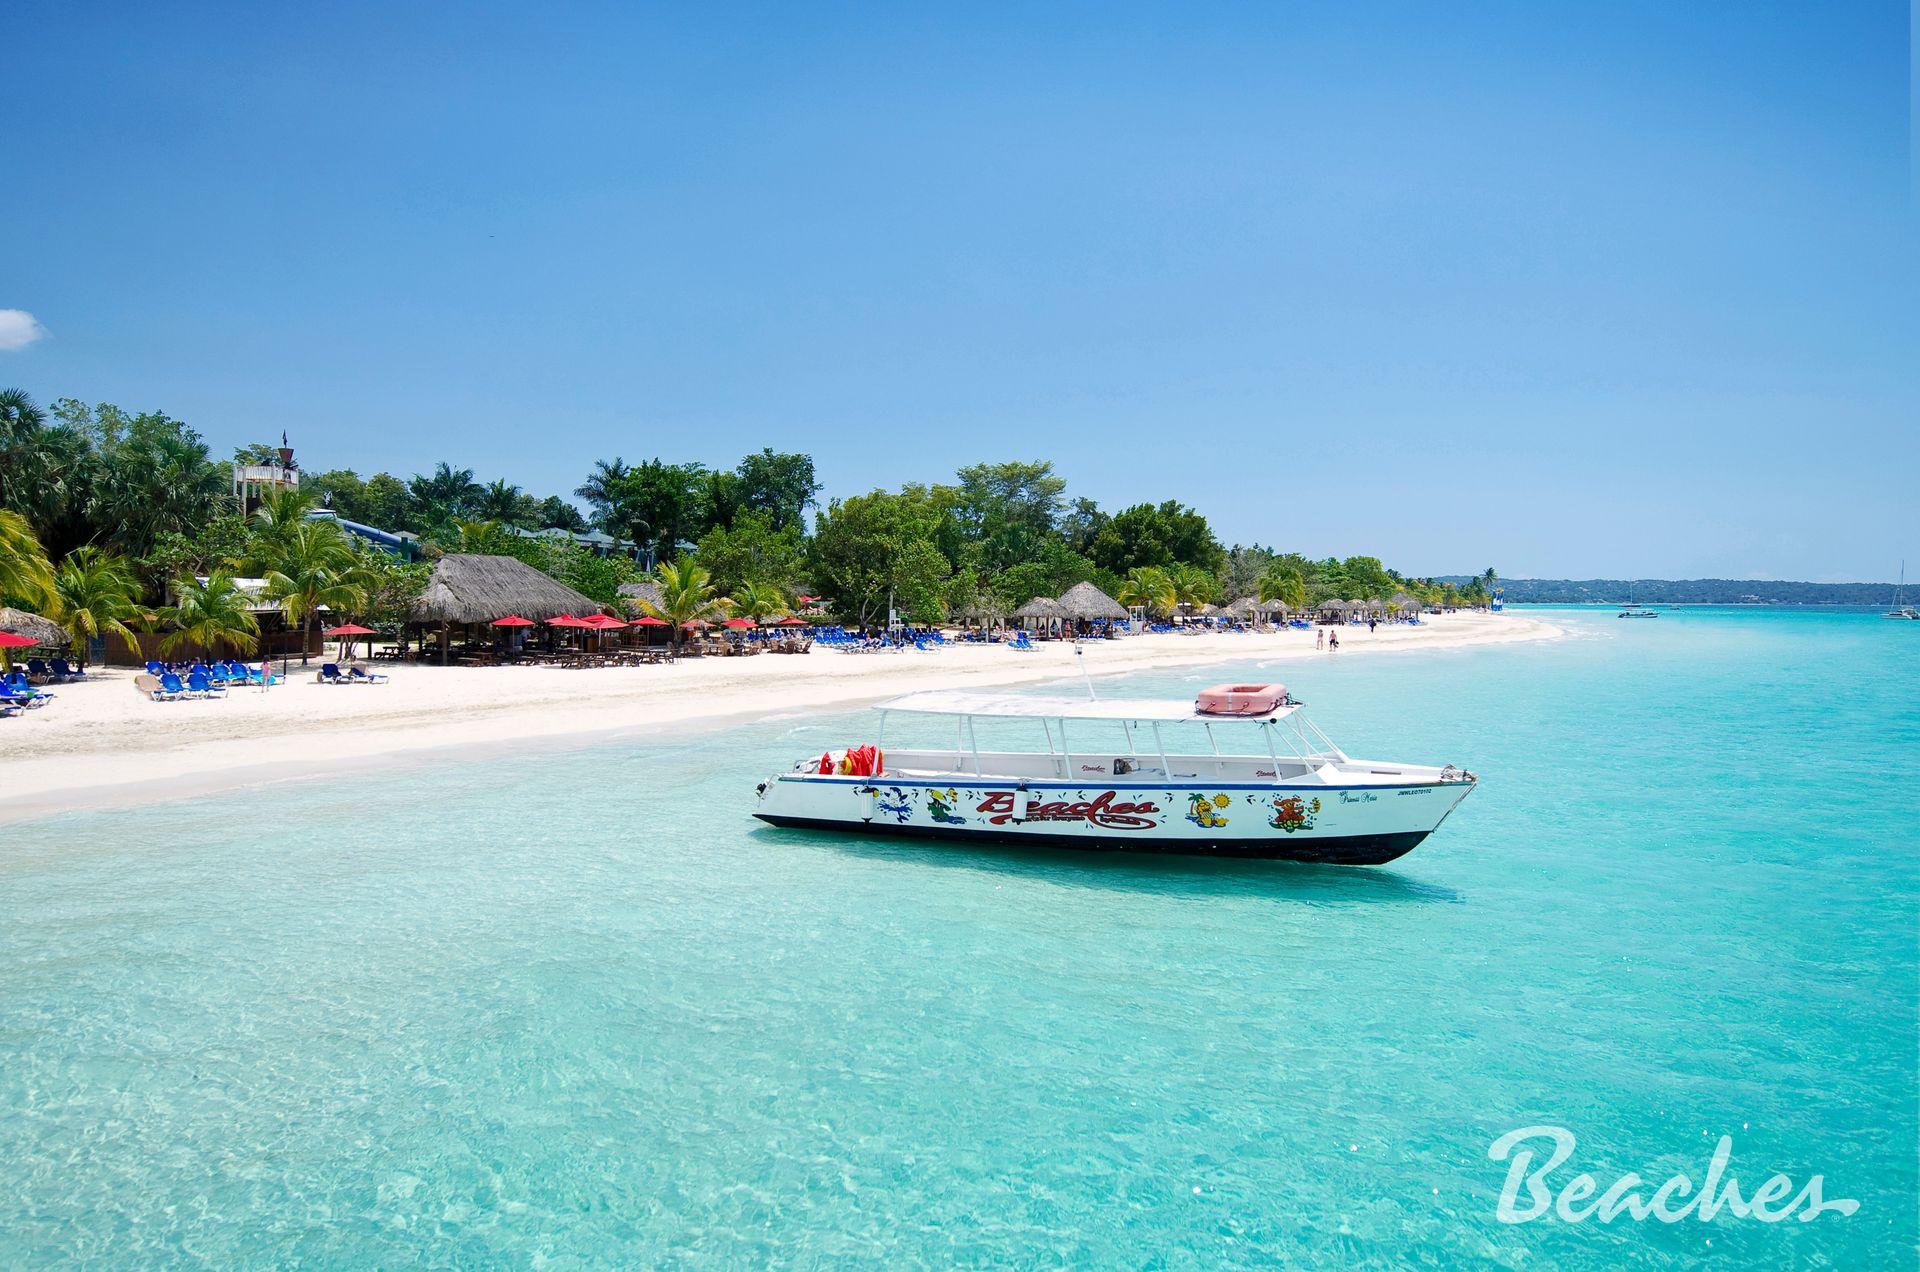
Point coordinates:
[[111, 520]]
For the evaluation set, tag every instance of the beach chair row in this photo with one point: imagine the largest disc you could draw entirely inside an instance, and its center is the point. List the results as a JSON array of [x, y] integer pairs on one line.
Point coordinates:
[[17, 695], [53, 671]]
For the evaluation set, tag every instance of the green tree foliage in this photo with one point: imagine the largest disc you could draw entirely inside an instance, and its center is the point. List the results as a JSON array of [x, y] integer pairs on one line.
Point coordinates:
[[153, 478], [871, 546], [753, 550], [557, 514], [26, 576], [47, 471], [759, 601], [210, 615], [94, 593], [444, 496], [1150, 588], [1165, 534], [1007, 511], [686, 593], [310, 567], [780, 485], [221, 544], [658, 505], [1283, 583]]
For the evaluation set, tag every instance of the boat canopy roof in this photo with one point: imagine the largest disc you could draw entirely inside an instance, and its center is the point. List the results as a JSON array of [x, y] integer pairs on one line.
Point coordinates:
[[1015, 706]]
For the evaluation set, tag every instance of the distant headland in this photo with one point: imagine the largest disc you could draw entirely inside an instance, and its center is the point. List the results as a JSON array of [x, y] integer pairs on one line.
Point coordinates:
[[1688, 591]]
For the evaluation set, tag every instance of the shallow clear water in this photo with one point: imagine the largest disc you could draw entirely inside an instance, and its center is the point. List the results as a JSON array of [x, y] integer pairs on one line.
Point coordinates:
[[574, 1009]]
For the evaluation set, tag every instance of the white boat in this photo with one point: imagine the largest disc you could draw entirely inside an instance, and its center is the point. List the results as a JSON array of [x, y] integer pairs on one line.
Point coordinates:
[[1115, 777], [1900, 607]]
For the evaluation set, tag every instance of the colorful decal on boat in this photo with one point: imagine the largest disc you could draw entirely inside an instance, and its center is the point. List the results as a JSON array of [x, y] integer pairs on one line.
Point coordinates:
[[1206, 810], [1288, 812], [1105, 810], [897, 803], [940, 807]]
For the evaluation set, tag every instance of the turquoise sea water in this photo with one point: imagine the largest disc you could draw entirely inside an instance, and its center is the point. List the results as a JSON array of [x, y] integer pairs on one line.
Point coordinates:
[[574, 1009]]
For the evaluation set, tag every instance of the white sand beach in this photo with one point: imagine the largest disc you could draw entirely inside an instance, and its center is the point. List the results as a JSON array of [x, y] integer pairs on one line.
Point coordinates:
[[100, 742]]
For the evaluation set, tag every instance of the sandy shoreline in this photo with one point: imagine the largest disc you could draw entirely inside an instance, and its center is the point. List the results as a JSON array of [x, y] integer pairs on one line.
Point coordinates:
[[101, 743]]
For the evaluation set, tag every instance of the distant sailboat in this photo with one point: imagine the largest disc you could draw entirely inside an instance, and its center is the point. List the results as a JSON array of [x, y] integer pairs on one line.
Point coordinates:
[[1635, 612], [1900, 608]]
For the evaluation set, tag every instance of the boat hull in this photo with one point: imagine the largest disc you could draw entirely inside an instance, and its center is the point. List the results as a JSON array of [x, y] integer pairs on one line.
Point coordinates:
[[1334, 825], [1345, 850]]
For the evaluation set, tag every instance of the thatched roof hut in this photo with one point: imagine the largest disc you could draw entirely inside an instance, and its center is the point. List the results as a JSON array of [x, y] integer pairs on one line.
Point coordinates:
[[644, 590], [1241, 607], [470, 588], [41, 631], [1084, 602], [1042, 607]]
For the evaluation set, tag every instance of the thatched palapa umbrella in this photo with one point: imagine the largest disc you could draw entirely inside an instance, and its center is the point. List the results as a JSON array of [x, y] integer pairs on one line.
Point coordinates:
[[468, 588], [36, 628], [1042, 609], [1085, 603]]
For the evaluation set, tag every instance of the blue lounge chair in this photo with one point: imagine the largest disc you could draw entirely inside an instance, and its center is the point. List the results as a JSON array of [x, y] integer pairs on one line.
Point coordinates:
[[37, 669], [17, 683], [156, 669], [361, 676], [201, 685], [170, 685], [67, 671], [1021, 642], [330, 675]]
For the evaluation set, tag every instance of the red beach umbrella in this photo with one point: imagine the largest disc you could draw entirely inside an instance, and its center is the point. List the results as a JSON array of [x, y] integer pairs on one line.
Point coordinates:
[[512, 620], [9, 641], [567, 620], [738, 624], [346, 632], [648, 620], [791, 620], [692, 623]]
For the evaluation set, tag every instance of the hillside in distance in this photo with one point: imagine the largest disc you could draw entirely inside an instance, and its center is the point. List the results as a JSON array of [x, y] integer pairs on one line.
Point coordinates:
[[1691, 591]]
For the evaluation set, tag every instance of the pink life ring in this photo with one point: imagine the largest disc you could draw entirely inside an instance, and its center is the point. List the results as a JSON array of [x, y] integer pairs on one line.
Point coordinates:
[[1241, 700]]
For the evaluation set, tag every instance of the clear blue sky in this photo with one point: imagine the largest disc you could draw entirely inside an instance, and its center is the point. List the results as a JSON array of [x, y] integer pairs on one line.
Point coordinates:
[[1609, 289]]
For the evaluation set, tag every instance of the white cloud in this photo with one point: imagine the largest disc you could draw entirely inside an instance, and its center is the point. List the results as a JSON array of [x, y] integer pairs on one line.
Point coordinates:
[[18, 329]]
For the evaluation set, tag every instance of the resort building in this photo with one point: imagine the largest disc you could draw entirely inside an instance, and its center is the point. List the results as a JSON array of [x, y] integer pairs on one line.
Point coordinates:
[[252, 482]]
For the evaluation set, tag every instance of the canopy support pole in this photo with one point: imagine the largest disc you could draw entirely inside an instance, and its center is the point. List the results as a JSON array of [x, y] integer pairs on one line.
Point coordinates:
[[1161, 745]]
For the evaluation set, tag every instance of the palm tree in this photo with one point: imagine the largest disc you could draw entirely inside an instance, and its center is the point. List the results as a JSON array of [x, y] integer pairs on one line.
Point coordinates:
[[1150, 588], [1192, 586], [280, 510], [759, 601], [601, 485], [212, 613], [1284, 585], [450, 492], [313, 569], [94, 593], [25, 573], [497, 501], [686, 593]]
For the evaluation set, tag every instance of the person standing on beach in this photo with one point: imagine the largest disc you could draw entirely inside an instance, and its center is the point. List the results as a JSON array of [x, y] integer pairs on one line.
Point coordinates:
[[1371, 623], [1320, 639], [1333, 643]]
